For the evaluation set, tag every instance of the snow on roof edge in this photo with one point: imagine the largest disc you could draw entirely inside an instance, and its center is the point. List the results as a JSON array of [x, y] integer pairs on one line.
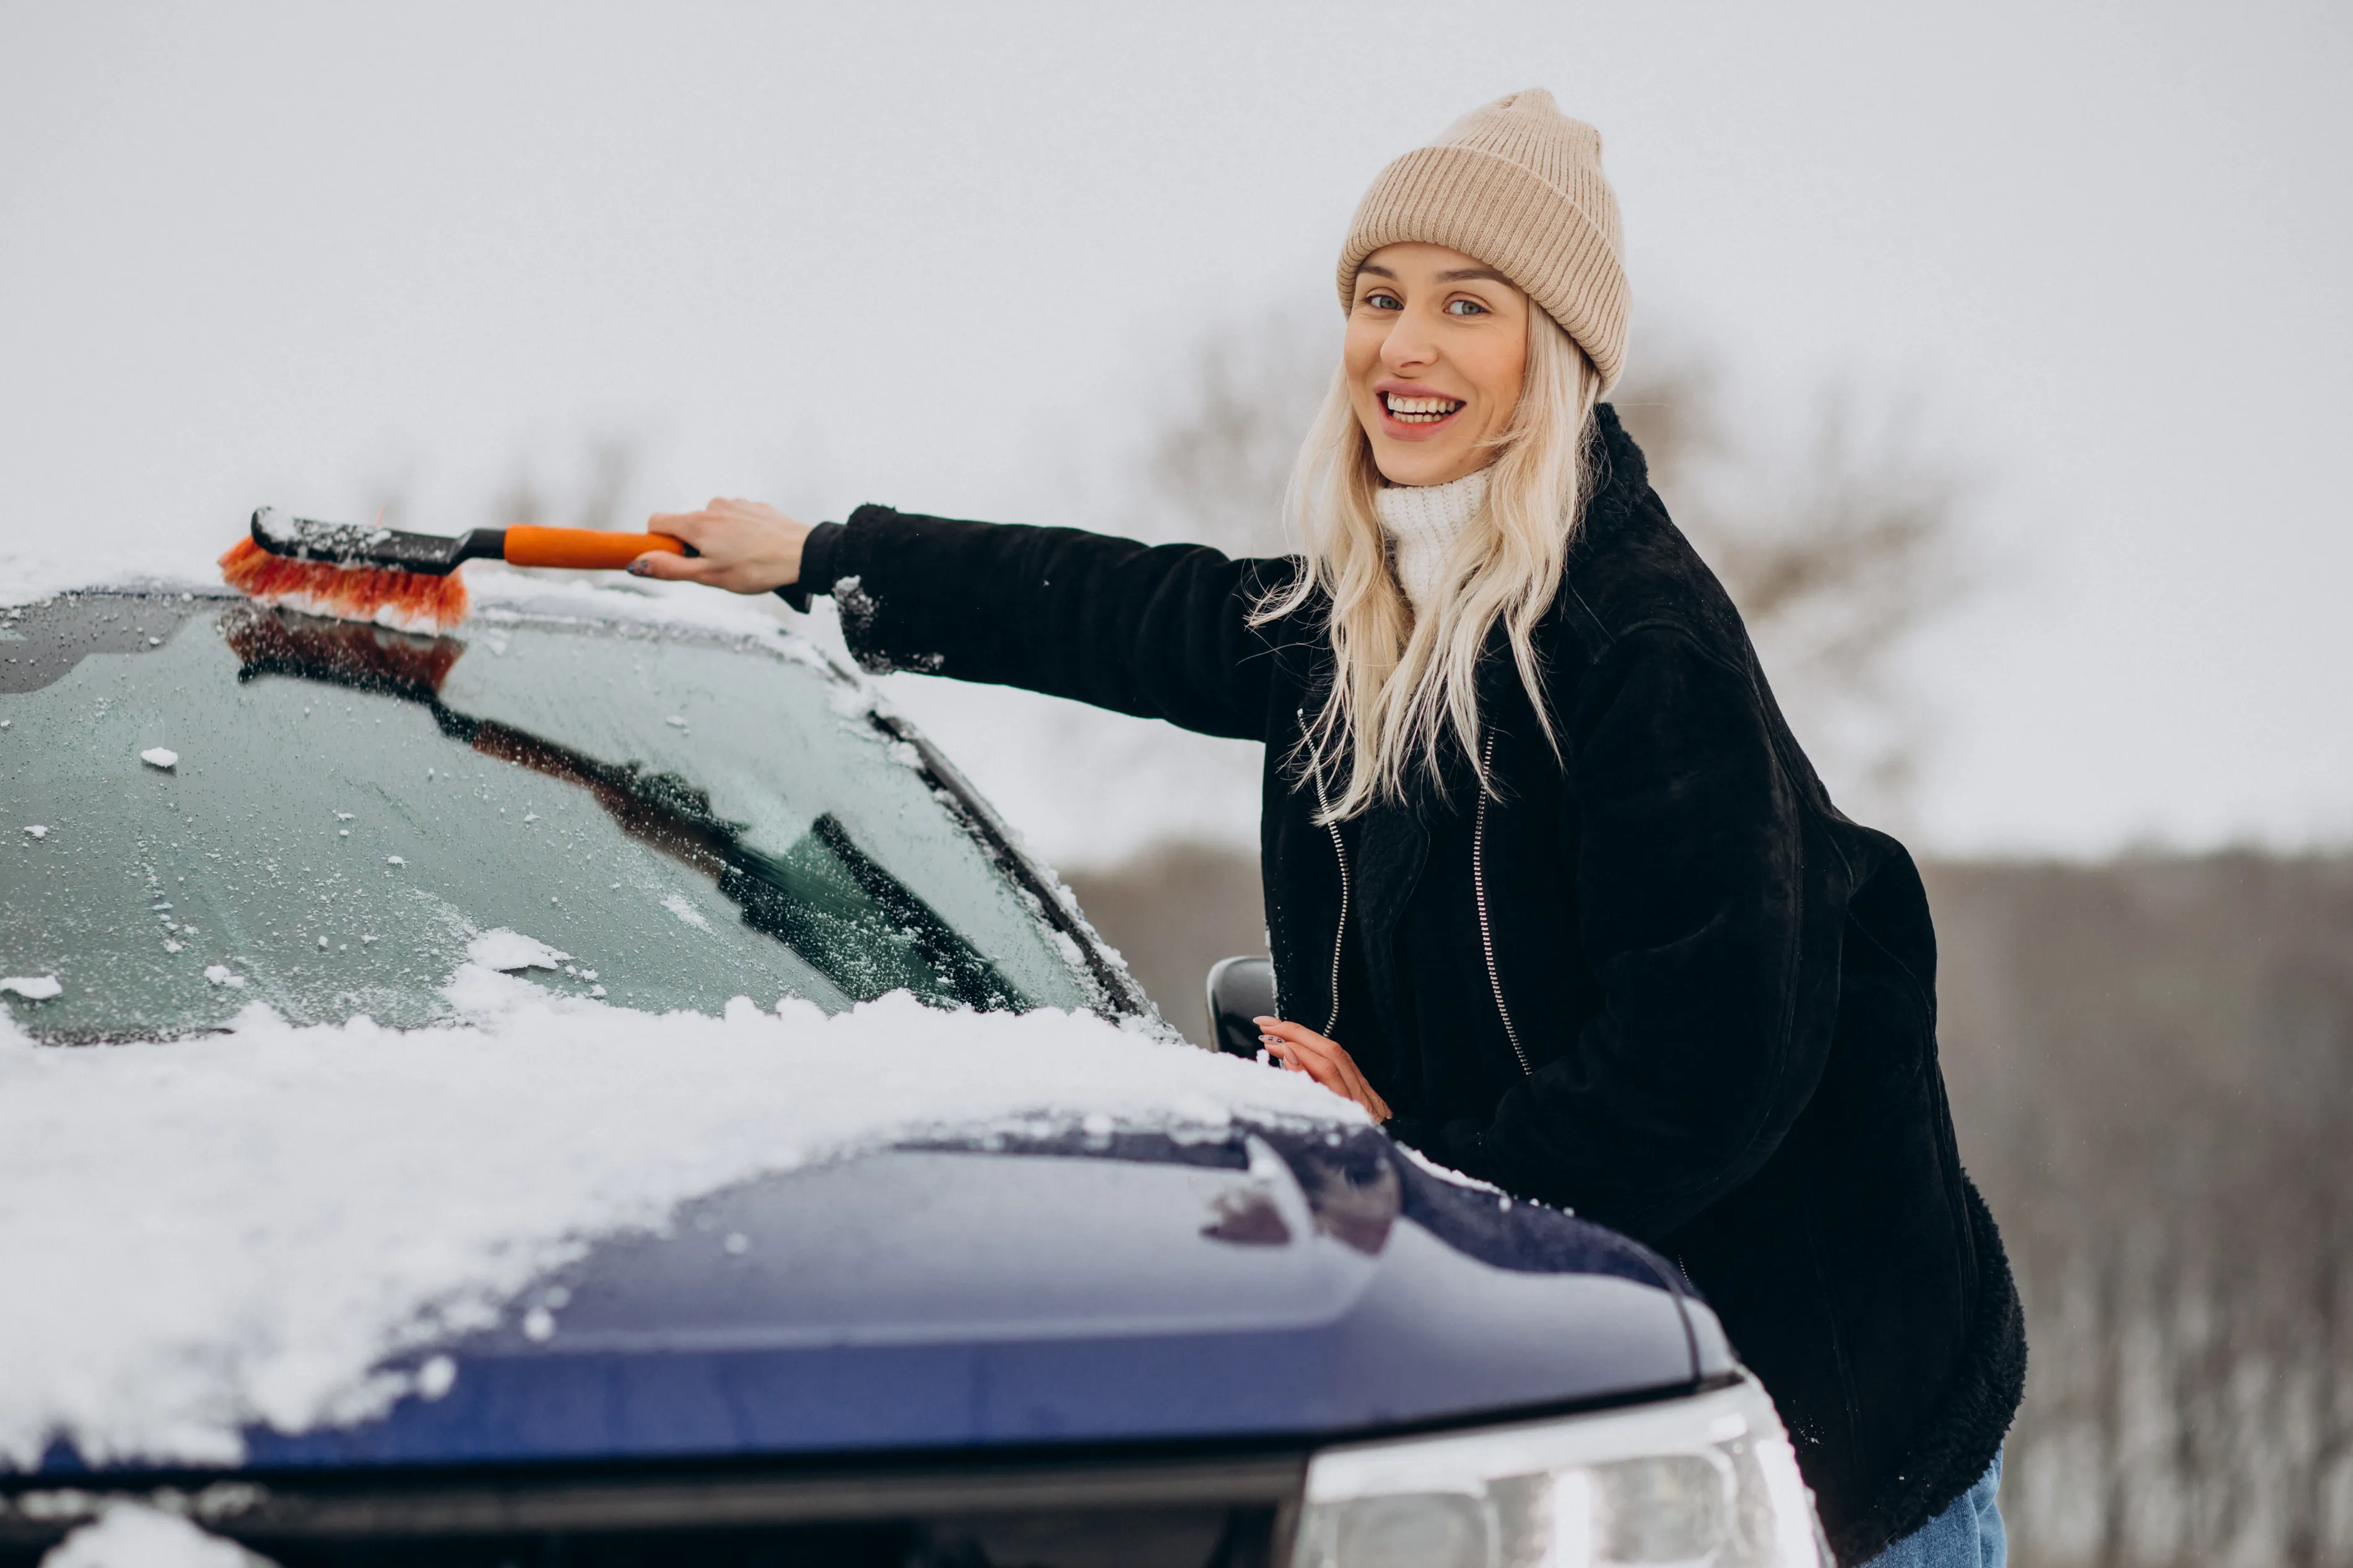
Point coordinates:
[[29, 577], [32, 577]]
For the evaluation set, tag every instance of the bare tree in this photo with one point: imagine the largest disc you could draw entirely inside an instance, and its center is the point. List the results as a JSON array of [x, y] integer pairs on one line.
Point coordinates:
[[608, 464], [2152, 1067], [1218, 472], [1838, 554]]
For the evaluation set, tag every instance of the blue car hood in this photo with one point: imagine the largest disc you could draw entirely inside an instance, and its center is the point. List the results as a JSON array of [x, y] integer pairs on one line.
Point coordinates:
[[1130, 1288]]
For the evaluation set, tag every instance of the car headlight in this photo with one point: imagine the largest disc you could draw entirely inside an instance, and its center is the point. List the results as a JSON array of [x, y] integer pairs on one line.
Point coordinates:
[[1704, 1483]]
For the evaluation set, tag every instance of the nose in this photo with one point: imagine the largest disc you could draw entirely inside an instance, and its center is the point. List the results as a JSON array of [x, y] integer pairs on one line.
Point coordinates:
[[1410, 345]]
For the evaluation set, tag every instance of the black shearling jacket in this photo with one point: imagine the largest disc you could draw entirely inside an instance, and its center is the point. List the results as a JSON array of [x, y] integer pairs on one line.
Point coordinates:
[[1710, 1016]]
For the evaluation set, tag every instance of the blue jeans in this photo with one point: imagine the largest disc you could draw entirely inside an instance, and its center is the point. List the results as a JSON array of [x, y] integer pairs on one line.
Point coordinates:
[[1967, 1535]]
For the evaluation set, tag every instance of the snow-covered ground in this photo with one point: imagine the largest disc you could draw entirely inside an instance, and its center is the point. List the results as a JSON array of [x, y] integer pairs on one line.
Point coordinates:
[[245, 1227]]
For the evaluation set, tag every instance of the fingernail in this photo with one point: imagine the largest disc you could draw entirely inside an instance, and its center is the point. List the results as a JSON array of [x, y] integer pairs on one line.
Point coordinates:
[[638, 568]]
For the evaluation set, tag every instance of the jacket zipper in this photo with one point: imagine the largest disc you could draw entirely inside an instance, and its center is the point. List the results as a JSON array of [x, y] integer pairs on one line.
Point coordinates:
[[1479, 890], [1339, 935]]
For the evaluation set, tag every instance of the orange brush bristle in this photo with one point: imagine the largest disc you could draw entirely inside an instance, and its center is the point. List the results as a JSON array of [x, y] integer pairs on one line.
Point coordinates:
[[405, 601]]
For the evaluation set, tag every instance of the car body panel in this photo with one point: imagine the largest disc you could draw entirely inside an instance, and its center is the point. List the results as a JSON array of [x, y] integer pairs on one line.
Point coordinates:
[[928, 1298]]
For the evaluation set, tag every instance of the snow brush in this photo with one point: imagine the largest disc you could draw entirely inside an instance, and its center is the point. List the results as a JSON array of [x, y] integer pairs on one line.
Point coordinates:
[[409, 581]]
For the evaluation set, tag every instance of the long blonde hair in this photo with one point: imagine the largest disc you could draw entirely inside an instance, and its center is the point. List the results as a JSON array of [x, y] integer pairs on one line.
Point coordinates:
[[1401, 684]]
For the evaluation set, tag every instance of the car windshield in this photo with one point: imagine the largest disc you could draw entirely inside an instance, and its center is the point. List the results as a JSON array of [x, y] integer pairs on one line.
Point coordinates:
[[214, 804]]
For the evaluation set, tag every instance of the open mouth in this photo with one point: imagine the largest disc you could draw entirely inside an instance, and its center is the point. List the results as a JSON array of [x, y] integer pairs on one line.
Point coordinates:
[[1420, 410]]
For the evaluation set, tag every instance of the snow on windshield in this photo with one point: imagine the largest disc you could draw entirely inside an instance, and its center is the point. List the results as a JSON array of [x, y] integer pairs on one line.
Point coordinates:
[[29, 577], [245, 1227]]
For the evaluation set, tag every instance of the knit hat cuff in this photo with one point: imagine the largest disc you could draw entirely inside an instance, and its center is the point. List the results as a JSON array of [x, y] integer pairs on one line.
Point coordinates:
[[1508, 216]]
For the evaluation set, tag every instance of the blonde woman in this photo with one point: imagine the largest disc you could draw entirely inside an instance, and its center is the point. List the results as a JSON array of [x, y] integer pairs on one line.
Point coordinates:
[[1552, 890]]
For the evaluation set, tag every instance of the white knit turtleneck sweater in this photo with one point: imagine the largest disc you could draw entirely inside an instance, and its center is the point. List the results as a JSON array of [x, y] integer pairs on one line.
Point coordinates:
[[1421, 523]]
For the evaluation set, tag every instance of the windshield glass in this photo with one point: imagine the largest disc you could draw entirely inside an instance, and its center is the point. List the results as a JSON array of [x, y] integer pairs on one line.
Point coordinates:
[[213, 804]]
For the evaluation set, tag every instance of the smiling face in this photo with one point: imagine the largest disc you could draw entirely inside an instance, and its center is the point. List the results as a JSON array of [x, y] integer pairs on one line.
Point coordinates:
[[1437, 345]]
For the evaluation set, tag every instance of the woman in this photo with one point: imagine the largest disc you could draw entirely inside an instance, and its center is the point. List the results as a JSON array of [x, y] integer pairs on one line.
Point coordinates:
[[1552, 891]]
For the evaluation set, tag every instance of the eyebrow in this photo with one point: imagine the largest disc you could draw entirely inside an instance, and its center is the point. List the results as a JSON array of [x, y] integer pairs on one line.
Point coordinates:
[[1458, 274]]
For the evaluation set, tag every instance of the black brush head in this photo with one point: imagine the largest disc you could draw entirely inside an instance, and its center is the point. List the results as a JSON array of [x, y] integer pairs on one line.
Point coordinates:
[[360, 544]]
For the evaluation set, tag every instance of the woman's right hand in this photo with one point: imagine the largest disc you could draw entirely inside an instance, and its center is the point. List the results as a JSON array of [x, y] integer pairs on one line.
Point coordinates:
[[747, 547], [1302, 1049]]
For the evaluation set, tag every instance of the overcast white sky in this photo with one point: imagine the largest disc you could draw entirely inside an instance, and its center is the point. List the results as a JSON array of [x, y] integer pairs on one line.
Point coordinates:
[[945, 256]]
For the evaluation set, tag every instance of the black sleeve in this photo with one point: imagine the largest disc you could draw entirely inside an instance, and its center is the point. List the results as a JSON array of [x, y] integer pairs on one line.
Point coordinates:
[[816, 567], [1689, 883], [1161, 631]]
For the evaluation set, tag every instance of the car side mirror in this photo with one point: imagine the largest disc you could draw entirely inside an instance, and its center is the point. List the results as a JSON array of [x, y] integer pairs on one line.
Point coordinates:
[[1241, 990]]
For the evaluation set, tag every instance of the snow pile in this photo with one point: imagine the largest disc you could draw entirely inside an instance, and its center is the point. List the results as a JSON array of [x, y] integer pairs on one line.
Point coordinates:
[[676, 904], [510, 950], [132, 1535], [29, 577], [247, 1227], [612, 596]]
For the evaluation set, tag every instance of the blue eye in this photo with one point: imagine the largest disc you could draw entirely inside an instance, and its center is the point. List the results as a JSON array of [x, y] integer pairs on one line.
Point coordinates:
[[1381, 300], [1465, 308]]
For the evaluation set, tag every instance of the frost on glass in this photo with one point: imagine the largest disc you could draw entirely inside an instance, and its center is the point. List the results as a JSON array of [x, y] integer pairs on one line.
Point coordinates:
[[687, 817]]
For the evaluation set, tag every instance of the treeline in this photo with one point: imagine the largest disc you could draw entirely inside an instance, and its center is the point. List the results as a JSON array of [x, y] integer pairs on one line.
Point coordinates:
[[2151, 1063], [2152, 1070]]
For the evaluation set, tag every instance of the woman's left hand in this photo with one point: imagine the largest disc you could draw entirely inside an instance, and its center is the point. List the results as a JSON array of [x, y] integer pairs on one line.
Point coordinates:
[[1302, 1049]]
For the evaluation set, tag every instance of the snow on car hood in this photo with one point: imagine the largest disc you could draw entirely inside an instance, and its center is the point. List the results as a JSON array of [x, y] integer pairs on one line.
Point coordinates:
[[238, 1228]]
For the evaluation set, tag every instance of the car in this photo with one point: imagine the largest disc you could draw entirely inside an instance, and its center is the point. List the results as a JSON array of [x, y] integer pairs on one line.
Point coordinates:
[[599, 1087]]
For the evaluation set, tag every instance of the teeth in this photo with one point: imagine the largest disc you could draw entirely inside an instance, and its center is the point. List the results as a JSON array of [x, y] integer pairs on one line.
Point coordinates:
[[1421, 410]]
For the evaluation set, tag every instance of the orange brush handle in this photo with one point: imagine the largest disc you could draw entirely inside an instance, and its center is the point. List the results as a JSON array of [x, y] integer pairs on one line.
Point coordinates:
[[587, 548]]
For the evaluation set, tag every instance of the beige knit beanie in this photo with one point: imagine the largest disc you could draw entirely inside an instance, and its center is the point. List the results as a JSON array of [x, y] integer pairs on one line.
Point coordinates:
[[1518, 184]]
